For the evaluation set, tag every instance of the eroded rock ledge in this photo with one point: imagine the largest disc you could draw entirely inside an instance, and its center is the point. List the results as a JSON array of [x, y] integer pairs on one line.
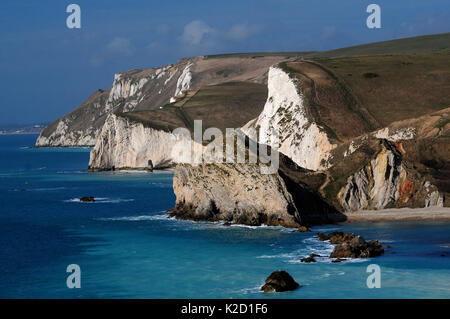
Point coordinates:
[[233, 193]]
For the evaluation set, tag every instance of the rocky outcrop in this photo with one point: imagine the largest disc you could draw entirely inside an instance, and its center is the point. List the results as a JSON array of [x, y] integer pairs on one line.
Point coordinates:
[[387, 181], [377, 184], [88, 199], [310, 259], [236, 193], [286, 123], [348, 245], [279, 281]]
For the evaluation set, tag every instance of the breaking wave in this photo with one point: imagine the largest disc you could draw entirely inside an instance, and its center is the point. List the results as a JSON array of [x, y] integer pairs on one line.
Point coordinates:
[[100, 200]]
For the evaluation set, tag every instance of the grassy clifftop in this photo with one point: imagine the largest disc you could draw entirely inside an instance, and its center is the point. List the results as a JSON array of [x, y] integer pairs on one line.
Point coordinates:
[[395, 87], [226, 105]]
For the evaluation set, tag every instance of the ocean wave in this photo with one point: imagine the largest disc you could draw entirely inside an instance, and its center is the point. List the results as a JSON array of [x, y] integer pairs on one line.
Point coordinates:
[[252, 290], [72, 172], [311, 245], [284, 255], [46, 189], [131, 171], [100, 200], [138, 218], [255, 227]]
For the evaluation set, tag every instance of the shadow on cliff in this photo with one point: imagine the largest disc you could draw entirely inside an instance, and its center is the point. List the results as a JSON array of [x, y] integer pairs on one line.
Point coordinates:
[[312, 208]]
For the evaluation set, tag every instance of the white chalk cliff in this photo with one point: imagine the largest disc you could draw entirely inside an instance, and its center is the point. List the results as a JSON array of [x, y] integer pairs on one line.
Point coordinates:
[[285, 124], [126, 144]]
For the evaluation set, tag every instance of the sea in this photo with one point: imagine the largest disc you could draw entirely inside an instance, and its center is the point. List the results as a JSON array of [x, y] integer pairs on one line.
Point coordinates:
[[126, 246]]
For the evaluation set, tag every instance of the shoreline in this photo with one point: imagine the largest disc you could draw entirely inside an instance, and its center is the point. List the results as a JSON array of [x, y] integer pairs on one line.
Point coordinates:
[[400, 214]]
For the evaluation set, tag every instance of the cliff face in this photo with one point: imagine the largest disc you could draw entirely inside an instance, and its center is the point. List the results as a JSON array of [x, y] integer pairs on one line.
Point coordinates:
[[385, 182], [131, 90], [126, 144], [234, 193], [392, 167], [286, 123], [149, 89]]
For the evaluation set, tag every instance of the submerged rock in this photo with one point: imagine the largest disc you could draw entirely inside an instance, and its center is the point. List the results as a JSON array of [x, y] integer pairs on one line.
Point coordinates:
[[279, 281], [349, 245], [88, 199]]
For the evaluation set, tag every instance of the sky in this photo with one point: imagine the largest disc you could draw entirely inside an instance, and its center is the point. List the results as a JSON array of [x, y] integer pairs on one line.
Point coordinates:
[[47, 69]]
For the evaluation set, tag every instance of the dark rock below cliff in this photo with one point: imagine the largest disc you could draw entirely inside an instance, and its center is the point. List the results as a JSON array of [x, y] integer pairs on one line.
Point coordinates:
[[349, 245], [88, 199], [279, 281]]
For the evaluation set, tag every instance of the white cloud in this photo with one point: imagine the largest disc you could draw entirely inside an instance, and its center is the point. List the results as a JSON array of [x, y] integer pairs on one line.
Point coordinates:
[[242, 31], [195, 31], [120, 46]]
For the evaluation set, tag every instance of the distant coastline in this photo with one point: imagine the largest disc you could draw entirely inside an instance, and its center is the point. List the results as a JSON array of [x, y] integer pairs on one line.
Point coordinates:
[[20, 129], [20, 133]]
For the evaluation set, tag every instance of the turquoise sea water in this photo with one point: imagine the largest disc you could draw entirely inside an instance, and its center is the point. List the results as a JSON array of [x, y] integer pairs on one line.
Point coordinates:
[[128, 248]]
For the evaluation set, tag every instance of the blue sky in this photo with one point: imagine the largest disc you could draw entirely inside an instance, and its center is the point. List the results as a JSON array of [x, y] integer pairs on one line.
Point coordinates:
[[47, 69]]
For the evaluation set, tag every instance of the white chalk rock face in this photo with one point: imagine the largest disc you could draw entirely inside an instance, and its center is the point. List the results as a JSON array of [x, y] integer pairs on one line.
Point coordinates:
[[184, 81], [124, 88], [63, 137], [284, 123], [125, 144]]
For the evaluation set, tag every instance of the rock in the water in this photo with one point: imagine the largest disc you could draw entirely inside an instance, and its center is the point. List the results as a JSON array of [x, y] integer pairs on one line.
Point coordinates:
[[352, 246], [88, 199], [279, 281], [309, 259], [338, 260], [303, 229]]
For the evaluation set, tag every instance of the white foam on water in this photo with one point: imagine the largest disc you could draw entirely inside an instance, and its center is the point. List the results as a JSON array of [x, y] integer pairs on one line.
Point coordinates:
[[280, 228], [46, 189], [137, 218], [252, 290], [71, 172], [137, 171], [285, 255], [100, 200]]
